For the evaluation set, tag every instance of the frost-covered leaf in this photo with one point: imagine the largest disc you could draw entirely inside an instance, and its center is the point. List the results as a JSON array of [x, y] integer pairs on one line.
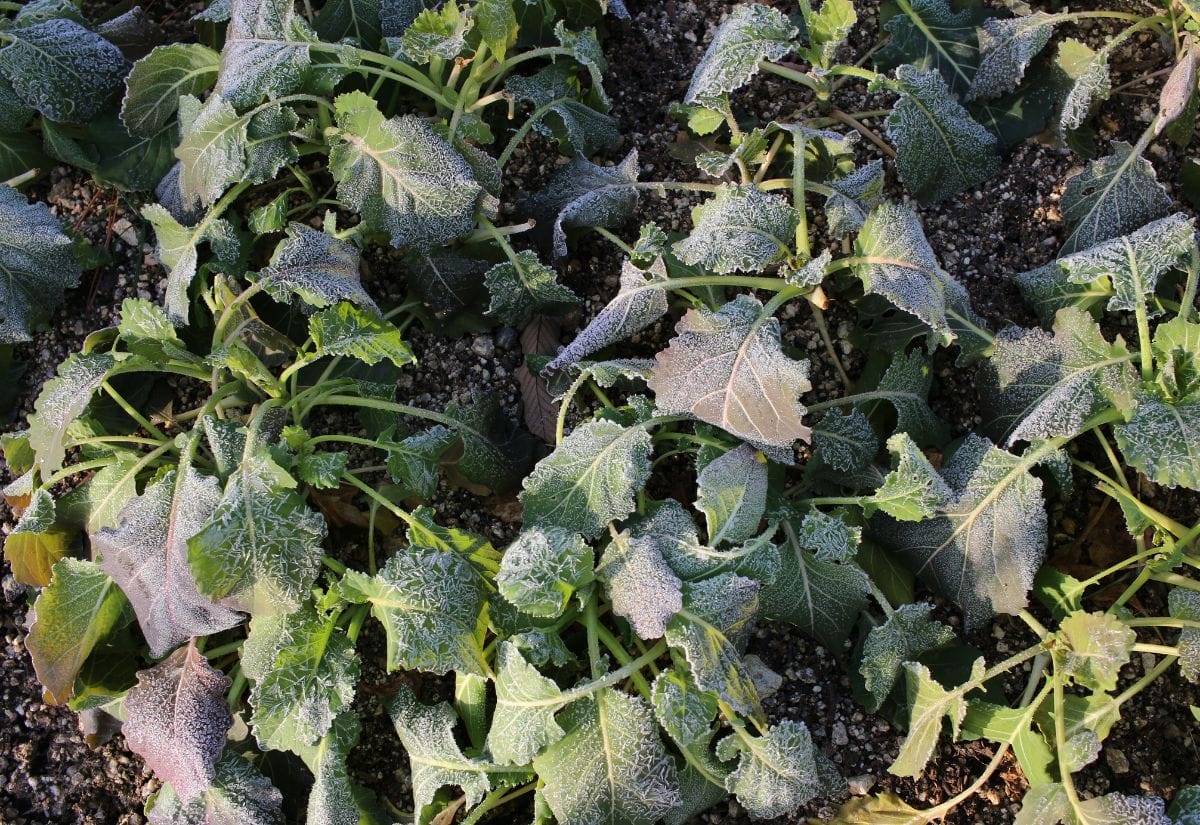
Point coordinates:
[[829, 27], [1008, 47], [642, 588], [829, 536], [935, 34], [610, 766], [1047, 289], [160, 79], [413, 462], [177, 253], [430, 603], [752, 32], [778, 772], [238, 795], [904, 636], [1048, 386], [319, 268], [1134, 263], [212, 151], [403, 178], [1162, 440], [304, 670], [496, 452], [333, 799], [261, 550], [710, 628], [905, 385], [1119, 809], [638, 304], [1087, 81], [354, 332], [62, 400], [732, 494], [584, 194], [913, 490], [929, 704], [741, 229], [590, 479], [1185, 604], [987, 539], [900, 265], [147, 555], [36, 265], [79, 608], [845, 442], [266, 51], [435, 33], [436, 761], [1111, 197], [941, 151], [684, 711], [552, 91], [727, 368], [523, 286], [65, 71], [359, 20], [542, 569], [177, 719], [526, 701], [673, 533], [853, 198]]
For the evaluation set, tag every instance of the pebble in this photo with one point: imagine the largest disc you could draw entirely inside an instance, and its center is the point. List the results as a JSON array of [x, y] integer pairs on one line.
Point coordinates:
[[838, 735], [484, 346], [1117, 760], [861, 785]]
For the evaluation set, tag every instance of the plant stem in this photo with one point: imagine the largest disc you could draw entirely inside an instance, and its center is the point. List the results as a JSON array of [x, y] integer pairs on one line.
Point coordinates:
[[1187, 305], [129, 409], [614, 239], [790, 74], [565, 405]]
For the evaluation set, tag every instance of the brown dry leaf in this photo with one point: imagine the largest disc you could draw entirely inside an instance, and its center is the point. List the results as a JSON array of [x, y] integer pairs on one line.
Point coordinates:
[[446, 815], [507, 508], [338, 507], [540, 337]]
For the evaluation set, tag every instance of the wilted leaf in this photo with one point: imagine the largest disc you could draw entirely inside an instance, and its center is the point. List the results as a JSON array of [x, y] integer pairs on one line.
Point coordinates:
[[853, 198], [552, 91], [177, 719], [584, 194], [523, 286], [496, 452]]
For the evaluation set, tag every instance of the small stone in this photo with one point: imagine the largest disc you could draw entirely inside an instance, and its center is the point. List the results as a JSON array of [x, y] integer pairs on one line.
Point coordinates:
[[839, 735], [1117, 760], [766, 681], [483, 346], [861, 785], [506, 337]]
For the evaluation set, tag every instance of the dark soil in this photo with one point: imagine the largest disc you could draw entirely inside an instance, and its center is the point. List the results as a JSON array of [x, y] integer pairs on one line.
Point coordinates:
[[1010, 224]]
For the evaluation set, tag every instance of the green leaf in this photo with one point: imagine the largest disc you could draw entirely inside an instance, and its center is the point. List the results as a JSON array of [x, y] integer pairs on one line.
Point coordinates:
[[590, 479], [334, 799], [112, 155], [36, 265], [497, 25], [19, 152], [320, 469], [317, 267], [853, 198], [79, 608], [523, 724], [238, 795], [346, 330], [1096, 645], [436, 761], [912, 491], [988, 537], [66, 72], [440, 33], [641, 586], [610, 766], [1047, 289], [936, 35], [1084, 78], [732, 493], [261, 550], [1176, 347], [710, 628], [177, 718], [552, 91], [62, 400], [1134, 263], [1185, 604], [1008, 46], [900, 265], [741, 229], [930, 703], [1045, 805], [778, 772], [904, 636], [148, 332], [404, 179], [1162, 440], [413, 462], [829, 27], [523, 286], [159, 79], [685, 712], [496, 453], [430, 603], [638, 304], [940, 150], [542, 569], [1048, 386], [582, 194], [266, 52], [1001, 724], [752, 32], [304, 670], [356, 19], [177, 253], [905, 385], [1111, 197], [727, 368], [147, 555]]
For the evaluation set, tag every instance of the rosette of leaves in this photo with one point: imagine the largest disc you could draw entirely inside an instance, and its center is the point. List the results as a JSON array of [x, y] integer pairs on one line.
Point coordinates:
[[392, 113]]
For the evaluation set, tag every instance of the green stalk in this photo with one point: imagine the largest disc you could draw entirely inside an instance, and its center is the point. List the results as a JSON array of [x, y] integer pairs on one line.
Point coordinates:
[[790, 74], [132, 412]]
